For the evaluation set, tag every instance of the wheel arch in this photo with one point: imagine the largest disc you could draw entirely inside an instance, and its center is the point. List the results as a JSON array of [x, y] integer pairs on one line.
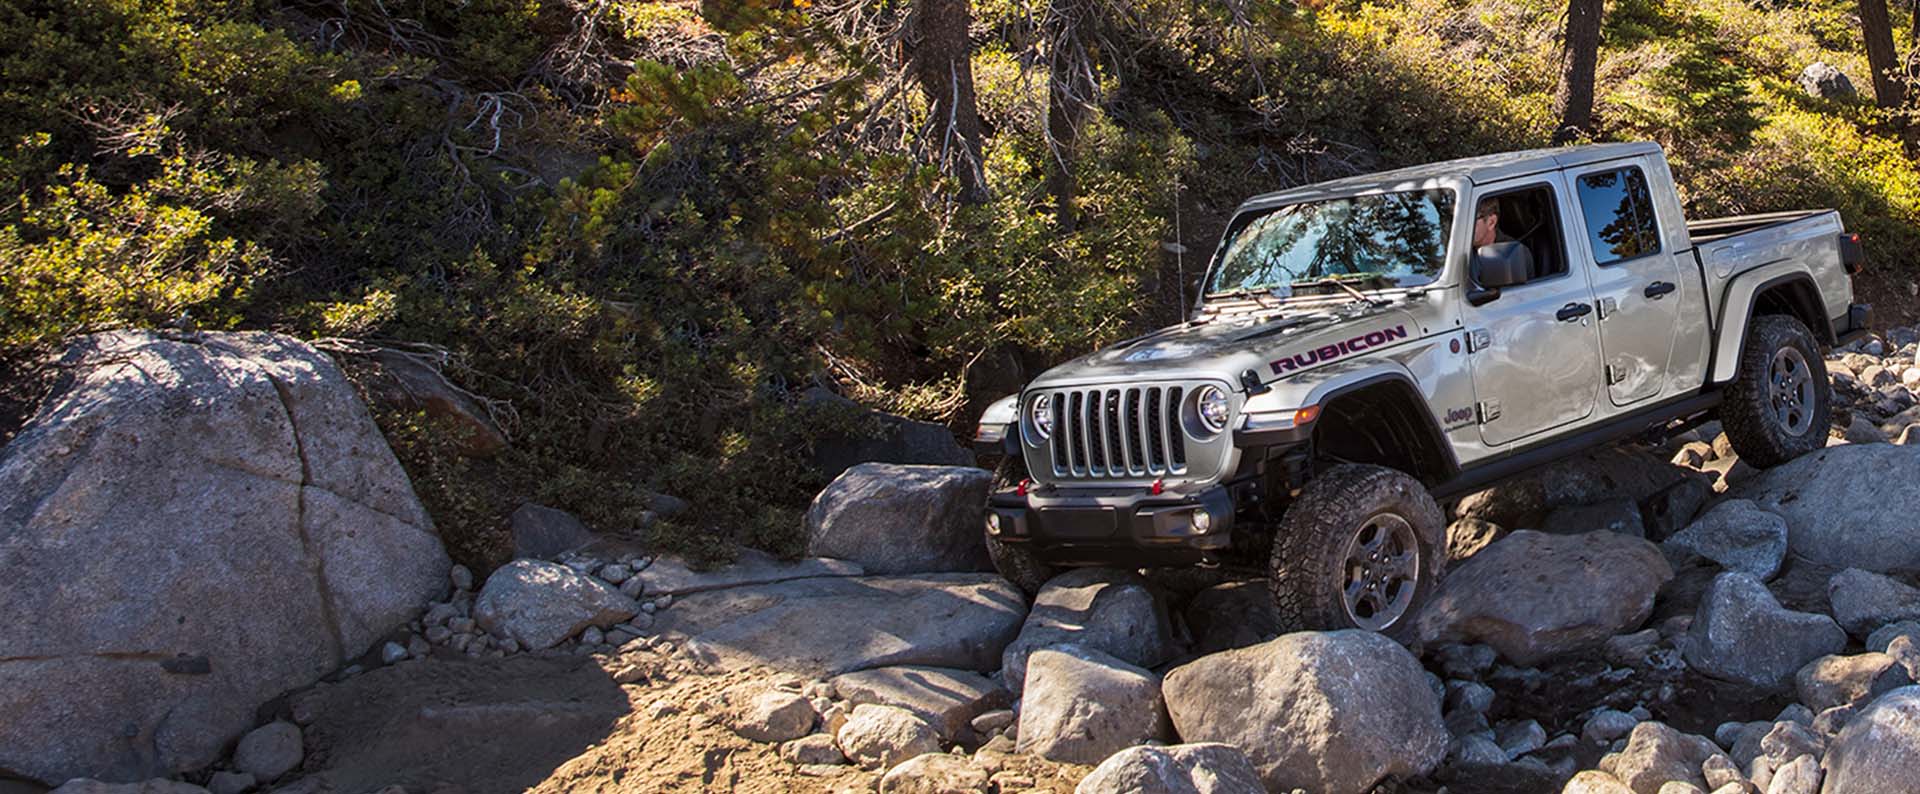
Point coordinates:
[[1383, 420], [1784, 288]]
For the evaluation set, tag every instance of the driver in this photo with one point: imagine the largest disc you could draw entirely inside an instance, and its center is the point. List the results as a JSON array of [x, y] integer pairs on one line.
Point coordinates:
[[1486, 228]]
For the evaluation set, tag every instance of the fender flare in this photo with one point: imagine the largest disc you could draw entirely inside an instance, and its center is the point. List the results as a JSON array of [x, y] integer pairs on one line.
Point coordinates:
[[1739, 303], [1393, 375]]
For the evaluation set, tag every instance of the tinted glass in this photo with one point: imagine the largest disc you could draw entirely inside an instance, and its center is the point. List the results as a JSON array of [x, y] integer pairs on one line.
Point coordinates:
[[1400, 238], [1619, 215]]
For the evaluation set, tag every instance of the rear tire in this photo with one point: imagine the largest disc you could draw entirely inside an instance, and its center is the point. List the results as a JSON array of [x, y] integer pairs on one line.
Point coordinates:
[[1361, 548], [1780, 402], [1017, 562]]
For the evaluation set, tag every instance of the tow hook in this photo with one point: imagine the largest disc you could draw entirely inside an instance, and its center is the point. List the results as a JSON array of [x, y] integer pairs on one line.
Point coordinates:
[[1209, 562]]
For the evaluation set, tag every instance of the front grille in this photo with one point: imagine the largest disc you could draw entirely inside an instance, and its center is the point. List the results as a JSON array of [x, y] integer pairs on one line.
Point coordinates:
[[1118, 432]]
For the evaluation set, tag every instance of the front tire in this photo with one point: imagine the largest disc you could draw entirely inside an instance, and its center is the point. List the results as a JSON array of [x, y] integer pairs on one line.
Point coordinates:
[[1016, 562], [1361, 548], [1779, 404]]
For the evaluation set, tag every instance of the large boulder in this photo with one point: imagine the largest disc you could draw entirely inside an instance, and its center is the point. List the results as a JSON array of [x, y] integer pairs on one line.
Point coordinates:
[[674, 576], [1879, 749], [192, 524], [1832, 520], [903, 519], [1864, 601], [1082, 705], [831, 625], [1525, 500], [1655, 754], [543, 533], [1104, 609], [1534, 596], [1837, 680], [1176, 769], [1738, 536], [1332, 712], [1742, 634], [1825, 81], [542, 604], [883, 736], [946, 698]]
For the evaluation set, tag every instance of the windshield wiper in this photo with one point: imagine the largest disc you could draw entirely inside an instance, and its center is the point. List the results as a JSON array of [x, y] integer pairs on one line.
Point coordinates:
[[1259, 296], [1334, 282]]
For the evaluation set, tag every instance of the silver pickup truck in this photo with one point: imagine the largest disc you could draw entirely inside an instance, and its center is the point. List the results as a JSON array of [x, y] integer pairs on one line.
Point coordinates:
[[1367, 346]]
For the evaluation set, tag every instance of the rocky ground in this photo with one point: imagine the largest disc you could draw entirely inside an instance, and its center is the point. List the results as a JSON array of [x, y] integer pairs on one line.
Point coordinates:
[[1650, 619]]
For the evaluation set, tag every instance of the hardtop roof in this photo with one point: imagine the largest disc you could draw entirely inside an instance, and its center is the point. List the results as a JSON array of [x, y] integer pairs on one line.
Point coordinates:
[[1480, 169]]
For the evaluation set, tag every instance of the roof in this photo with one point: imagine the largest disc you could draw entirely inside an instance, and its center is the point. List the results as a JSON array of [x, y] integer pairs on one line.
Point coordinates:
[[1483, 168]]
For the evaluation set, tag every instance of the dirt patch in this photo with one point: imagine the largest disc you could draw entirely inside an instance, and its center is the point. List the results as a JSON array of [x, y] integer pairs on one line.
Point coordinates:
[[561, 723]]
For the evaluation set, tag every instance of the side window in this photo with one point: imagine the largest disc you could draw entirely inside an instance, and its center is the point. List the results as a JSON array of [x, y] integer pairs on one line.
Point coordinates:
[[1527, 216], [1618, 210]]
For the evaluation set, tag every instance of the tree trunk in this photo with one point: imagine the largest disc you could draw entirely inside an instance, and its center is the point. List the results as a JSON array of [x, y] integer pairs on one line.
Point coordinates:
[[1070, 87], [942, 63], [1573, 101], [1878, 30]]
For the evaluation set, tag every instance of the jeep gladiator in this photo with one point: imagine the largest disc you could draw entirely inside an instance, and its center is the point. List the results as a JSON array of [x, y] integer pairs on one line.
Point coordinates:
[[1366, 347]]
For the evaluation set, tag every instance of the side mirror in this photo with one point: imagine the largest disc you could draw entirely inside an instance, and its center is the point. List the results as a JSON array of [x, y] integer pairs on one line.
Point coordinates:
[[1498, 265]]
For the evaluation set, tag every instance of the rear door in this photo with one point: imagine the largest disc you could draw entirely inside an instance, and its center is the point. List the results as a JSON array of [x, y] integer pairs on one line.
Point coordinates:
[[1535, 350], [1639, 293]]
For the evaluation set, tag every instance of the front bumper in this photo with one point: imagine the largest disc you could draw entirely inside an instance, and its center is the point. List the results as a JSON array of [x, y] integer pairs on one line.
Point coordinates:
[[1116, 526]]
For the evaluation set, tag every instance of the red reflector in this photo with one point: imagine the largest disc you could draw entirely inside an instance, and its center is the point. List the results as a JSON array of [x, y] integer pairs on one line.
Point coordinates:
[[1158, 486], [1022, 490]]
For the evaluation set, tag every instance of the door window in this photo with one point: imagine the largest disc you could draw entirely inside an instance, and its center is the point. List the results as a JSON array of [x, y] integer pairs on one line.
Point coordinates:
[[1527, 216], [1618, 210]]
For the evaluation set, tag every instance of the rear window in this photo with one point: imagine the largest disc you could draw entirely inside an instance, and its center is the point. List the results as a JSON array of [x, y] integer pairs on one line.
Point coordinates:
[[1618, 209]]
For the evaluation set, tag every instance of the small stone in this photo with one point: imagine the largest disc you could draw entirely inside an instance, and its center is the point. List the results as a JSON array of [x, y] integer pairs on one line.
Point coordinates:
[[392, 652], [1475, 750], [1799, 776], [615, 574], [1630, 650], [992, 721], [1795, 712], [633, 587], [663, 602], [439, 635], [1833, 720], [460, 625], [461, 577], [1719, 770], [1881, 637], [418, 647], [814, 749], [879, 737], [1520, 738], [1790, 740], [649, 607], [936, 773], [1471, 695], [1606, 726], [592, 636], [269, 751], [508, 645], [230, 782]]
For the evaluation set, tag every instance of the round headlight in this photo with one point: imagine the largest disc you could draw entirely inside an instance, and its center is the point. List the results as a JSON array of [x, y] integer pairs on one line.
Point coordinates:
[[1041, 414], [1211, 403]]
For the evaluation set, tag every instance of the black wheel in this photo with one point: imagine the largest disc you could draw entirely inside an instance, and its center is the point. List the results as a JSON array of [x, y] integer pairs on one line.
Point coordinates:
[[1779, 404], [1361, 548], [1016, 561]]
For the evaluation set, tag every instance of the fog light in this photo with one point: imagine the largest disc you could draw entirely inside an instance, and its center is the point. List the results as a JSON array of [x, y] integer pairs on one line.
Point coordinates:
[[1202, 520], [993, 523]]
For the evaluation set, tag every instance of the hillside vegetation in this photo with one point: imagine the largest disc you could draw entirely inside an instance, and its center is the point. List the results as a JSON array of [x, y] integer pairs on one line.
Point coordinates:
[[643, 228]]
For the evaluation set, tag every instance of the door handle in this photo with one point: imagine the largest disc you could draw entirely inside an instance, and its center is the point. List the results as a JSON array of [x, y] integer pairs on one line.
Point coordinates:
[[1573, 311], [1659, 288]]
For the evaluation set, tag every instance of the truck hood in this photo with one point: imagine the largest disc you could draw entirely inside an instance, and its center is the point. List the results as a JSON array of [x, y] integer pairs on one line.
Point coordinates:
[[1223, 348]]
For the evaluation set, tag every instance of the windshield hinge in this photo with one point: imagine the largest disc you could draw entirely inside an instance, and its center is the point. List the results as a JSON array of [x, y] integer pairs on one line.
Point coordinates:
[[1250, 380]]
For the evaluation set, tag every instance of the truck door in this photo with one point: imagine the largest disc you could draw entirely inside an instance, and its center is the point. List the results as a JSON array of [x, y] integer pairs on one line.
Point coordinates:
[[1535, 350], [1636, 284]]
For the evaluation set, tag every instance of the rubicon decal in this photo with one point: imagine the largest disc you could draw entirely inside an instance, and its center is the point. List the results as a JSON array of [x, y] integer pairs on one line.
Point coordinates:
[[1344, 347]]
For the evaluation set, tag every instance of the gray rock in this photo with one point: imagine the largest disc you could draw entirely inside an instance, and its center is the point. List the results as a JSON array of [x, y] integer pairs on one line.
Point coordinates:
[[1101, 609], [1534, 596], [543, 533], [1619, 515], [1789, 740], [671, 576], [1740, 633], [1476, 750], [1823, 80], [881, 438], [1630, 650], [210, 520], [541, 604], [1864, 601], [1607, 725], [826, 626], [1583, 479], [880, 737], [993, 721], [229, 782], [1469, 695], [771, 716], [1324, 711], [1879, 749], [1737, 536], [814, 749], [1831, 721], [1673, 507], [1837, 680], [1232, 615], [948, 699], [461, 577], [895, 519], [392, 653], [156, 786], [1519, 738], [1656, 753], [1799, 776], [615, 574], [1176, 769], [935, 773], [1081, 705], [1881, 637], [1829, 521], [269, 751]]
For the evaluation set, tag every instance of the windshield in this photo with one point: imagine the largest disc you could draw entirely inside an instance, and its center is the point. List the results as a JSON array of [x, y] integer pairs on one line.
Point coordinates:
[[1384, 240]]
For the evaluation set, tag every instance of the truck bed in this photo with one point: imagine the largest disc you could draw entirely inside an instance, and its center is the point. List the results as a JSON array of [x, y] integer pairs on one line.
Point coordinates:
[[1728, 247], [1715, 229]]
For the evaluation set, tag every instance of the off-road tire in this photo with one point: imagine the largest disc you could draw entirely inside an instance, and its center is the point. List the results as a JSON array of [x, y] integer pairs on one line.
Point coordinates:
[[1307, 571], [1748, 412], [1016, 561]]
